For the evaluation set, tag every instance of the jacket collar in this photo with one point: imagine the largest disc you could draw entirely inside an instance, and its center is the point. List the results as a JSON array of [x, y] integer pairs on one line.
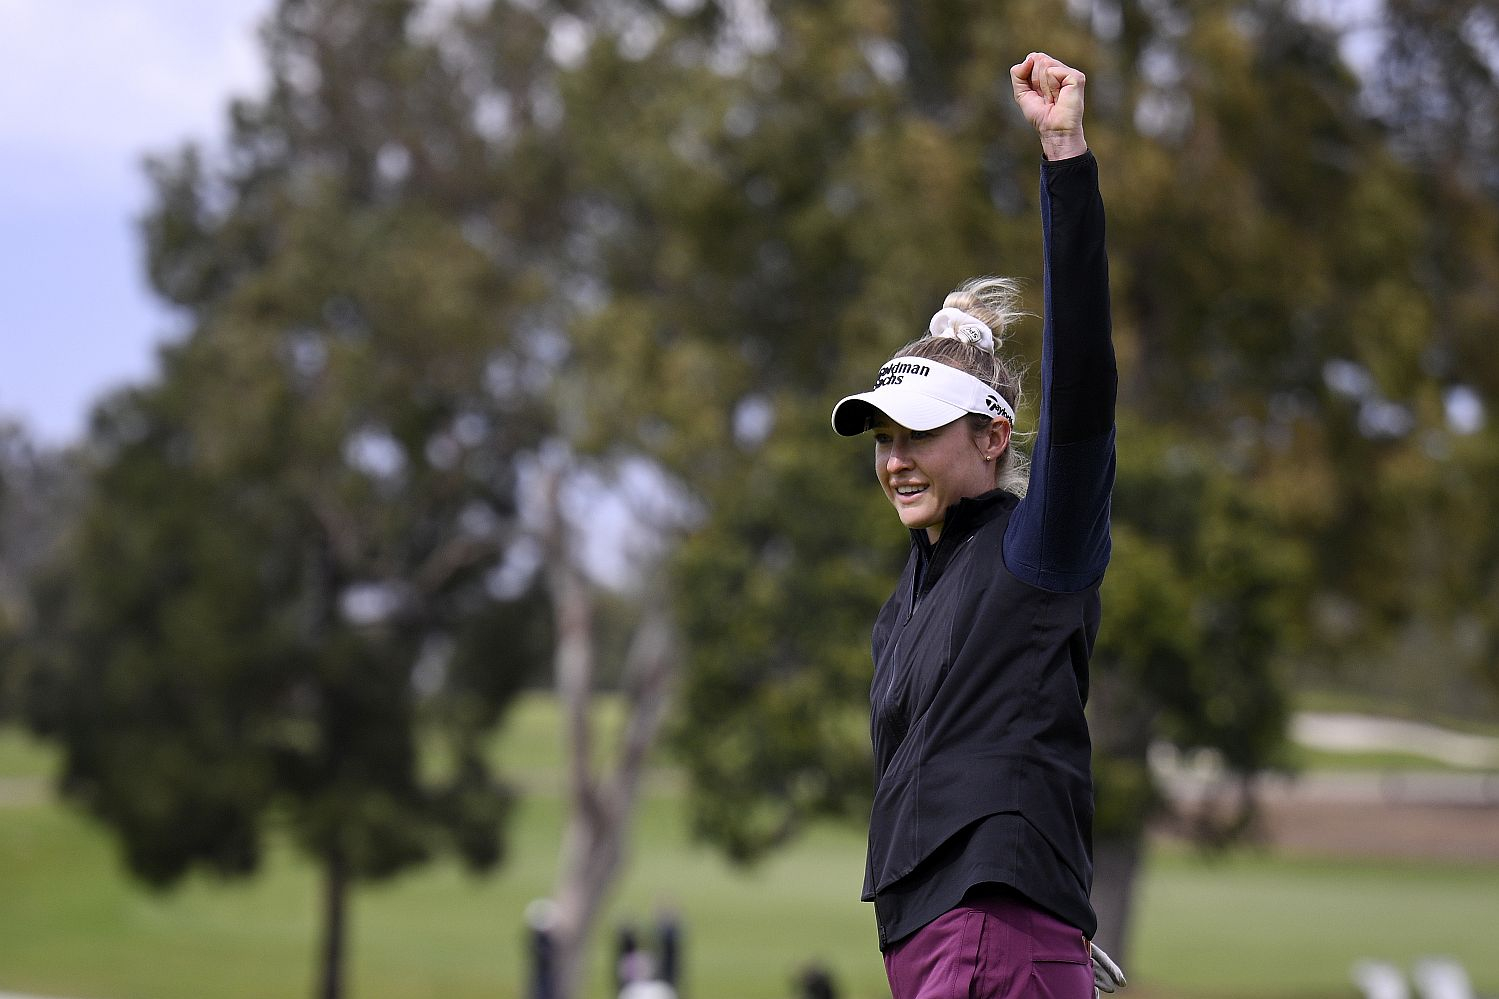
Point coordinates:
[[962, 520], [966, 516]]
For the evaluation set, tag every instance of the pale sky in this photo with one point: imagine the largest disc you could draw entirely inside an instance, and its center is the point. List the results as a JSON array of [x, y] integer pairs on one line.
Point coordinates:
[[87, 89]]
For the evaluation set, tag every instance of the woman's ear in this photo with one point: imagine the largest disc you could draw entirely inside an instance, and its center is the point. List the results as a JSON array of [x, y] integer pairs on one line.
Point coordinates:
[[996, 438]]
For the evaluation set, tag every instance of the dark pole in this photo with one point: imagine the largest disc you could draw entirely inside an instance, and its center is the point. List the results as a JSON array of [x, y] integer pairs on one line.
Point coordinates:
[[540, 917], [335, 894]]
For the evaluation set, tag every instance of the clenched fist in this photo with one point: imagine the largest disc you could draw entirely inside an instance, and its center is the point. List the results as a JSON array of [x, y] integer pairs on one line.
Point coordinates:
[[1050, 95]]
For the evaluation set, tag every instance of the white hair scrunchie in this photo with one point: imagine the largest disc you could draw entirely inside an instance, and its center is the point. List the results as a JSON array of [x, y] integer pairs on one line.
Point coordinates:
[[955, 324]]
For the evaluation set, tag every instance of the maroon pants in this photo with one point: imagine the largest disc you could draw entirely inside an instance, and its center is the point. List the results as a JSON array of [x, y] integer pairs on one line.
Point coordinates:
[[992, 947]]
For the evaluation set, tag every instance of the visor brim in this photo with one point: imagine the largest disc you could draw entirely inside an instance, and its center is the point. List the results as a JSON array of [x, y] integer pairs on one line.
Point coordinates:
[[911, 410]]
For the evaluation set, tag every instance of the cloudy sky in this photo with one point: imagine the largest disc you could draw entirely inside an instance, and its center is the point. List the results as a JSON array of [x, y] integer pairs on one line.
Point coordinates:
[[87, 89]]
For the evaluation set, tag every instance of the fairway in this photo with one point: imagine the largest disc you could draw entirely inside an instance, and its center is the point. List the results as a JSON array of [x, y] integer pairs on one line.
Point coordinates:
[[1247, 926]]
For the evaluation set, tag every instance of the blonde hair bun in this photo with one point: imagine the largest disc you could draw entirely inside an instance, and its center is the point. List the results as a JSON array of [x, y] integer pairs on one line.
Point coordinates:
[[993, 301]]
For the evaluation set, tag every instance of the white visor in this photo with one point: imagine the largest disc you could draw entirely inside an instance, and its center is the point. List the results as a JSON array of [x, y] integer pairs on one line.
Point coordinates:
[[919, 395]]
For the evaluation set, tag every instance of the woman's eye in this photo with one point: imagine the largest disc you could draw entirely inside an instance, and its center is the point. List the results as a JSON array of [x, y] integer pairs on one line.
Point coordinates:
[[920, 435], [882, 439]]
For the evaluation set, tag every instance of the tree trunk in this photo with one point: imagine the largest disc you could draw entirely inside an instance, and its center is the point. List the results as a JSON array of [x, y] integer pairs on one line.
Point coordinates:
[[1116, 865], [1121, 720], [600, 806], [335, 898], [592, 849], [601, 809]]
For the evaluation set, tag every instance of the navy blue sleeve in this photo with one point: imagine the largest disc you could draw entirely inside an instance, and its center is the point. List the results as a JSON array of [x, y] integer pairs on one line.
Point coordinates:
[[1058, 537]]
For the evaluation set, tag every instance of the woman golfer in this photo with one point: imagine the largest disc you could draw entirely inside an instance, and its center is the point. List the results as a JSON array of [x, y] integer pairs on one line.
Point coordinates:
[[980, 842]]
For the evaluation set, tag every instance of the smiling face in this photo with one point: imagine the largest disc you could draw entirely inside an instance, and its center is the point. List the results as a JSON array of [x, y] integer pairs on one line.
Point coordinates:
[[923, 472]]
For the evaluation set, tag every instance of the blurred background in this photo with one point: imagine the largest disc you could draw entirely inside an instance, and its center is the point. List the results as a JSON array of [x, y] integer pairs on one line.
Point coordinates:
[[425, 568]]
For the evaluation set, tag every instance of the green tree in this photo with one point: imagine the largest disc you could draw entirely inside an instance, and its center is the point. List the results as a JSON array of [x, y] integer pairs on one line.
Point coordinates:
[[38, 494], [1434, 84], [292, 600]]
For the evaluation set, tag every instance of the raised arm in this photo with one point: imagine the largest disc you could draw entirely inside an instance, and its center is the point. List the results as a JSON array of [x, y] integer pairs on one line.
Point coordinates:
[[1059, 537]]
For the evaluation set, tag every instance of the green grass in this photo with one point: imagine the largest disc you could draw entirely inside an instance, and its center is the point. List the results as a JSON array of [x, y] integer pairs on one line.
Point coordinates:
[[74, 926], [22, 756], [1248, 926], [1252, 924], [1306, 760]]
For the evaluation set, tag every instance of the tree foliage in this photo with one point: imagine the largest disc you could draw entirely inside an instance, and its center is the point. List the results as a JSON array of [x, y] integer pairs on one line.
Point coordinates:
[[291, 600], [39, 490]]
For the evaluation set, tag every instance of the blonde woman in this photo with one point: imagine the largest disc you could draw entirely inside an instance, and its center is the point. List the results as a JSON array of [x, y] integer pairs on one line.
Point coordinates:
[[980, 845]]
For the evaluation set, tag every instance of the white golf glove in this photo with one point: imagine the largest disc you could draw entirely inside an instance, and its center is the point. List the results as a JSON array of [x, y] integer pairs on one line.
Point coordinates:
[[1106, 974]]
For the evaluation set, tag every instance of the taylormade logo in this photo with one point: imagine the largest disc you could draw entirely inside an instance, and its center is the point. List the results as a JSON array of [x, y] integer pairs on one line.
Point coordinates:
[[896, 371]]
